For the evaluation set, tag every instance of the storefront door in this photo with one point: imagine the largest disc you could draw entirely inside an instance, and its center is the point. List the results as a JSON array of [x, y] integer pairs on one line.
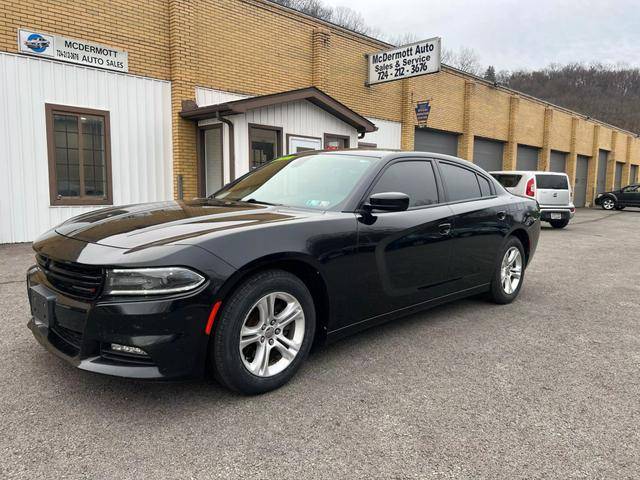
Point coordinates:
[[212, 159]]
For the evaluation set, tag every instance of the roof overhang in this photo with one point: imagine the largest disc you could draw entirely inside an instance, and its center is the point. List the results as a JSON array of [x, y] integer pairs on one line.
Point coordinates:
[[311, 94]]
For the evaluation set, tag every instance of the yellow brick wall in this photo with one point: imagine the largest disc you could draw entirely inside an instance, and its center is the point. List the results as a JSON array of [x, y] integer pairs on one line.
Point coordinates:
[[141, 28], [561, 131], [490, 113], [446, 93], [530, 123]]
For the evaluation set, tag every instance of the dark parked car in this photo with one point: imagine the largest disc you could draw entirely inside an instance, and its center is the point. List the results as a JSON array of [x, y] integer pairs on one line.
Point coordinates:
[[628, 196], [307, 248]]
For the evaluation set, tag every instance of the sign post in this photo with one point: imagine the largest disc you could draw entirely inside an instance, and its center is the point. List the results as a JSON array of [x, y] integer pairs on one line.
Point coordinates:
[[420, 58]]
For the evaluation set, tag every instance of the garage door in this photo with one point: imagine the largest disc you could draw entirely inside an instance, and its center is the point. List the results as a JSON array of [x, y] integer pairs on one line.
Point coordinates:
[[618, 178], [601, 185], [580, 189], [436, 141], [634, 174], [558, 162], [487, 154], [527, 158]]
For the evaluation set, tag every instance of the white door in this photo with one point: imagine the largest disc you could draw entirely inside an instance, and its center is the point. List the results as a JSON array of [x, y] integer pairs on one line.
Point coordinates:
[[303, 144], [212, 143]]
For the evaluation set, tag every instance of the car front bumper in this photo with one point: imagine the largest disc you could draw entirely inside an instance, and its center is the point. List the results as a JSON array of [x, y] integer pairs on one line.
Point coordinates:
[[170, 330]]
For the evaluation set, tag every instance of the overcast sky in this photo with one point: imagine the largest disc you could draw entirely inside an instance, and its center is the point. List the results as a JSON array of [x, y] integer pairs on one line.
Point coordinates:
[[511, 34]]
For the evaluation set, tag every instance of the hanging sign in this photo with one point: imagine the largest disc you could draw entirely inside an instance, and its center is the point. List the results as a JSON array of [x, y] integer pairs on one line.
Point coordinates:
[[411, 60]]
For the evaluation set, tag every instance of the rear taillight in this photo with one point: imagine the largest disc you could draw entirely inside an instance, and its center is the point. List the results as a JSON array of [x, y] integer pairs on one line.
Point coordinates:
[[531, 189]]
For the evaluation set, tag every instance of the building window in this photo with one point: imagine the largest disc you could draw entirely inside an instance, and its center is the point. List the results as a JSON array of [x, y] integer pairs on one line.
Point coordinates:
[[265, 144], [79, 156], [335, 142]]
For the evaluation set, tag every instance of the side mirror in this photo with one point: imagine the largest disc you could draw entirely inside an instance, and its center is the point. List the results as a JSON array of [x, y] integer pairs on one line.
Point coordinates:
[[388, 202]]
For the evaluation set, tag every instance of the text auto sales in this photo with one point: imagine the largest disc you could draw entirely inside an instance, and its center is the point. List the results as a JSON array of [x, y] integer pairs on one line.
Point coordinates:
[[411, 60], [72, 53]]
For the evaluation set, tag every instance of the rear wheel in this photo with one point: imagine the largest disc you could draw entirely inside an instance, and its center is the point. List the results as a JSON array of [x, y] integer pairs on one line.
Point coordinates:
[[559, 223], [608, 203], [264, 333], [509, 274]]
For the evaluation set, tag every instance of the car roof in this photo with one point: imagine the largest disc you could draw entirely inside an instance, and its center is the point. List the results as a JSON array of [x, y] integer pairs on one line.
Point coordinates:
[[524, 172]]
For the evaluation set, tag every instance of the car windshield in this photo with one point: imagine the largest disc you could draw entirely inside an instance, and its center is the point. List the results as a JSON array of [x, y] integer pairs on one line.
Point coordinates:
[[320, 181]]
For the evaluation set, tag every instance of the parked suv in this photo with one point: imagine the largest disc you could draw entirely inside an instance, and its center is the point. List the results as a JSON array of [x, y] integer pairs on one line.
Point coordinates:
[[551, 189], [628, 196]]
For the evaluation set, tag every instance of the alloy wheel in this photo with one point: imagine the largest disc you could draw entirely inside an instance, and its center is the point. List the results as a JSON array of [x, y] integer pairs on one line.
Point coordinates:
[[272, 334], [511, 270], [608, 204]]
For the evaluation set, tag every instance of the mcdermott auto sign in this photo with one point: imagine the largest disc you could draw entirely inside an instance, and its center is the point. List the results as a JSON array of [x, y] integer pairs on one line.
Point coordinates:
[[411, 60], [72, 50]]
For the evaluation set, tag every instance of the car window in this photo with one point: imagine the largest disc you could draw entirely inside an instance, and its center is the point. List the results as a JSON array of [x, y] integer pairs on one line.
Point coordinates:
[[415, 179], [485, 187], [507, 180], [461, 184], [552, 182], [631, 188]]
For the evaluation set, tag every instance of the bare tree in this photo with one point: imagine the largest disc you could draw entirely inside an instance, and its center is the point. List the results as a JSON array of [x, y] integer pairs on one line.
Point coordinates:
[[349, 18], [401, 39]]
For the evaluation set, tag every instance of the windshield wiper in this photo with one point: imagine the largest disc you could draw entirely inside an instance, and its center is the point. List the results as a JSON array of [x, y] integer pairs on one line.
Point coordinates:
[[260, 202]]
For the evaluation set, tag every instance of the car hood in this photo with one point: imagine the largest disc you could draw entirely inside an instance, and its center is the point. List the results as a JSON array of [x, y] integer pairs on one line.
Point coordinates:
[[176, 222]]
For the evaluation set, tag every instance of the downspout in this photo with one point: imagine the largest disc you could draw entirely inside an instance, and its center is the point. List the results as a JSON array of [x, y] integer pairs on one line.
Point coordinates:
[[232, 150]]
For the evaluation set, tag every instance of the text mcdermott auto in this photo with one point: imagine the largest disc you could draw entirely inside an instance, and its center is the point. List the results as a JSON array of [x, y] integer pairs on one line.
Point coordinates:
[[307, 248]]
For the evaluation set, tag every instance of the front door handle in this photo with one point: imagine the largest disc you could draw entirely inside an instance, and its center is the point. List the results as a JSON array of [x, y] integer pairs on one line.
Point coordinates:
[[502, 215], [445, 229]]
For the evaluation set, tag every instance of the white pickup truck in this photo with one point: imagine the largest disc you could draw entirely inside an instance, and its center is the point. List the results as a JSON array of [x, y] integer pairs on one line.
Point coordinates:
[[552, 190]]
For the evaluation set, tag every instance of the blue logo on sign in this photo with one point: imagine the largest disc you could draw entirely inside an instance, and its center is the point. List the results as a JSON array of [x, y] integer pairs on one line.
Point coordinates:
[[422, 111], [37, 43]]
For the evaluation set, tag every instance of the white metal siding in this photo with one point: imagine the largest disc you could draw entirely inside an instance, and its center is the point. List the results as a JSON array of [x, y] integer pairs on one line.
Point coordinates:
[[388, 134], [140, 115]]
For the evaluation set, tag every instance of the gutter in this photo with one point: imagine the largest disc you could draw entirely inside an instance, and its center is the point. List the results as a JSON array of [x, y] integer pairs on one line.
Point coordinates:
[[232, 149]]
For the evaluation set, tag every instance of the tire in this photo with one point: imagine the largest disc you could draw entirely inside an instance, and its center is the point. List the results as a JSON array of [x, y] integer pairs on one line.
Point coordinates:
[[248, 310], [498, 293], [608, 203], [559, 223]]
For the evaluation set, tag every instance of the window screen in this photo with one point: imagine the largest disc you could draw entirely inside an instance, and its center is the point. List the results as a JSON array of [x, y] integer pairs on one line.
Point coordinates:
[[415, 179], [461, 184]]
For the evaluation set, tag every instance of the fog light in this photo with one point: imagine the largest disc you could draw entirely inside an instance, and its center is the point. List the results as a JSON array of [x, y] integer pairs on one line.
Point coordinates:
[[116, 347]]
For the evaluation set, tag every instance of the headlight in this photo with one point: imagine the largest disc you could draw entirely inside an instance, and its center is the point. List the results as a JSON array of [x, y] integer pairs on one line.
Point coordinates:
[[151, 281]]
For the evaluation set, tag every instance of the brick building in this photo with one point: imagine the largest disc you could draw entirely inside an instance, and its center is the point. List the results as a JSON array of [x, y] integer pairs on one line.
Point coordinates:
[[214, 87]]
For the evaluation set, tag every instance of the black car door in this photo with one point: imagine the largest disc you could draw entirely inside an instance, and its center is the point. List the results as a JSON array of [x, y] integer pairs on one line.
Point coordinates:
[[479, 224], [631, 195], [404, 256]]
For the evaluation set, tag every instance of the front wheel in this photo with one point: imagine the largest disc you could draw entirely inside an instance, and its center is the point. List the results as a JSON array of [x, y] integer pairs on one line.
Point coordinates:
[[559, 223], [509, 274], [264, 333], [608, 203]]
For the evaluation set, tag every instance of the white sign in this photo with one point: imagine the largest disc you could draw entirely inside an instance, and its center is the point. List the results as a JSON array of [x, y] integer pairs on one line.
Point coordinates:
[[411, 60], [72, 50]]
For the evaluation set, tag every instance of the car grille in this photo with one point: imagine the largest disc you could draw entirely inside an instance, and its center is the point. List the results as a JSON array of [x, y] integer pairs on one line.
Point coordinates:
[[77, 280]]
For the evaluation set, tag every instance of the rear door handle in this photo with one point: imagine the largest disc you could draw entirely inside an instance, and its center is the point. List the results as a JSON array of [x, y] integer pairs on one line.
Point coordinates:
[[445, 229], [502, 215]]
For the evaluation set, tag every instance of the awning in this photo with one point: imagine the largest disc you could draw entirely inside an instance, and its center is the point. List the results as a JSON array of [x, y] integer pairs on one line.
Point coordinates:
[[311, 94]]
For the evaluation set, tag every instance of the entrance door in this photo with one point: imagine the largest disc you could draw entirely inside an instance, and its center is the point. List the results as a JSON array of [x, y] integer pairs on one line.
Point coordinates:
[[487, 154], [527, 158], [297, 144], [580, 190], [617, 184], [436, 142], [558, 162], [212, 159], [601, 184]]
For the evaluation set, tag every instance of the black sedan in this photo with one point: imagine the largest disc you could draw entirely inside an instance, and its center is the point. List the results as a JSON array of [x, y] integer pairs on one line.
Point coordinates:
[[306, 249], [628, 196]]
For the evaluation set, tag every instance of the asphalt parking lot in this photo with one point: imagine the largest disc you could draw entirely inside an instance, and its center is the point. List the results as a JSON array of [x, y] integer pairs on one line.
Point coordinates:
[[547, 387]]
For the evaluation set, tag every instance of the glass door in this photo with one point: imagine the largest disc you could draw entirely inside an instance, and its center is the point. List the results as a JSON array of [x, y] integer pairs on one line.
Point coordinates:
[[213, 159]]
